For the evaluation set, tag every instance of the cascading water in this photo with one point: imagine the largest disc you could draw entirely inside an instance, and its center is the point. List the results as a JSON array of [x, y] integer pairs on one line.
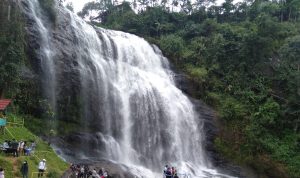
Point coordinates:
[[128, 97], [46, 54]]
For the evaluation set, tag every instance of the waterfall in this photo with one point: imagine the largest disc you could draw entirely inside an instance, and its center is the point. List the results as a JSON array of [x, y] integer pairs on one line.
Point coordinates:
[[46, 54], [128, 96]]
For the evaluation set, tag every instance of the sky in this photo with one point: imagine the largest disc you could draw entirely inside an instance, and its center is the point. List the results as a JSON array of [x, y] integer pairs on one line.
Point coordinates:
[[78, 4]]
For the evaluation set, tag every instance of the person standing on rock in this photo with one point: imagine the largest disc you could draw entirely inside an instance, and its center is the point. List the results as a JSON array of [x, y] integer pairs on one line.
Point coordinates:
[[42, 168], [24, 169]]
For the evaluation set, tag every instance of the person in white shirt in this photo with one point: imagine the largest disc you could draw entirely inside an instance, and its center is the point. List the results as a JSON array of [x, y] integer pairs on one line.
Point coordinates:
[[94, 174], [42, 168], [21, 147], [5, 145]]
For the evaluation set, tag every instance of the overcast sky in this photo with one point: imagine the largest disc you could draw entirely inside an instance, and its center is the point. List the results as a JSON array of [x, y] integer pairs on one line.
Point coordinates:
[[78, 4]]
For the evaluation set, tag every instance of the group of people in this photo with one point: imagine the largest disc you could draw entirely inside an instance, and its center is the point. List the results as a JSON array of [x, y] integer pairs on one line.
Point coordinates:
[[83, 171], [170, 172], [18, 148], [25, 169]]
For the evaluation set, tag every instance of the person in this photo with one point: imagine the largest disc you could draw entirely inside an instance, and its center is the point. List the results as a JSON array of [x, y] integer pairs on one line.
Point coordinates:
[[173, 171], [42, 168], [21, 147], [176, 176], [9, 143], [33, 145], [86, 171], [165, 170], [24, 169], [169, 173], [94, 174], [5, 144], [1, 172], [81, 172], [101, 172], [73, 169], [14, 146], [27, 150], [24, 146], [105, 173]]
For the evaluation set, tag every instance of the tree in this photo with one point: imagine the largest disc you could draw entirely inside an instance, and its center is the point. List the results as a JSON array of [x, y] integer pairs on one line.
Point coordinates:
[[172, 45], [144, 4], [101, 6], [186, 6], [203, 3], [289, 70], [228, 9]]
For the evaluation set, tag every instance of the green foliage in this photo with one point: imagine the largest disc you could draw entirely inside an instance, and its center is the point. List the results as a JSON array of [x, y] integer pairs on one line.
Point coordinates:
[[267, 113], [7, 166], [53, 174], [232, 109], [199, 73], [172, 45], [12, 53]]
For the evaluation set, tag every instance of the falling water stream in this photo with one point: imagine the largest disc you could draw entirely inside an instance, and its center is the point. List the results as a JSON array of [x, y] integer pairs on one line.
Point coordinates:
[[144, 120]]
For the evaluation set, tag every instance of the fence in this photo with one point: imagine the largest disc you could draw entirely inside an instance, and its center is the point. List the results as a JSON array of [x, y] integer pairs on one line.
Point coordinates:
[[36, 173], [15, 122]]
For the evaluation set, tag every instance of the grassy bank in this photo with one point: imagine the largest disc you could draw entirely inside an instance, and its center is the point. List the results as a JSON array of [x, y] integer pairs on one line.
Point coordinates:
[[55, 165]]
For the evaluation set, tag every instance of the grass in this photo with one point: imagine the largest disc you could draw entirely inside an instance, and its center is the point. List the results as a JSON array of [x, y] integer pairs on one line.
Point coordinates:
[[55, 165], [44, 126], [7, 166]]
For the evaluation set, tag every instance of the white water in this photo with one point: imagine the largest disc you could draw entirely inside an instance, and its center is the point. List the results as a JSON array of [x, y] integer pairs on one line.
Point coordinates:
[[145, 121], [46, 52]]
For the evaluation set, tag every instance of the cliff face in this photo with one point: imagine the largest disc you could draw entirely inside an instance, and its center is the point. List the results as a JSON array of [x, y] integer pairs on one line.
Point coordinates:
[[13, 59], [5, 18], [52, 53]]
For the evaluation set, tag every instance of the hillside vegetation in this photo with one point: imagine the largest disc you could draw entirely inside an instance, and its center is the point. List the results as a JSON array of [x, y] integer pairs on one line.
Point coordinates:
[[244, 59], [12, 165]]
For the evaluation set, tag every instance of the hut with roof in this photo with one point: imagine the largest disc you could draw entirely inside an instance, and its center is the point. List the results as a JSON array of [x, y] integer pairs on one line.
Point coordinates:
[[4, 104]]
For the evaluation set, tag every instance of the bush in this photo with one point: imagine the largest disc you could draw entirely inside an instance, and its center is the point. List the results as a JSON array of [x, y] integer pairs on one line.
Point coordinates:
[[8, 168], [172, 45], [197, 73], [232, 109], [53, 174]]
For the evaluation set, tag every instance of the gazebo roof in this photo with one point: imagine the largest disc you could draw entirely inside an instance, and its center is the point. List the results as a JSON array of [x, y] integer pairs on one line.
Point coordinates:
[[4, 103]]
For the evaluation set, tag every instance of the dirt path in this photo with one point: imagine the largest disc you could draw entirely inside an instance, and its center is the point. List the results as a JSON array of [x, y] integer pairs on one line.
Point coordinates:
[[14, 162]]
